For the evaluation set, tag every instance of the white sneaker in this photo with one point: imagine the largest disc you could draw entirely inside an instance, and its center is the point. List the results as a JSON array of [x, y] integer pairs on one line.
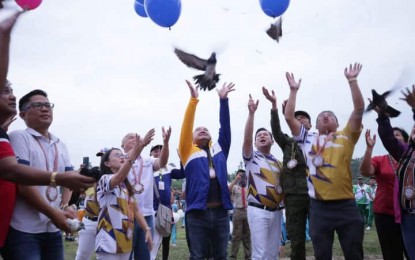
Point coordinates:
[[368, 228]]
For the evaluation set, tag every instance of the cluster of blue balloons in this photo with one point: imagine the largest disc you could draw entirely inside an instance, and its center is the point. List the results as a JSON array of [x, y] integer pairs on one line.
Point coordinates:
[[274, 8], [164, 13]]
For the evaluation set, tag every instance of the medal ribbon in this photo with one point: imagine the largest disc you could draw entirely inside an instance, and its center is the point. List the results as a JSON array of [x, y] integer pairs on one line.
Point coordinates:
[[293, 150], [320, 149], [408, 182], [55, 160], [55, 166], [137, 179]]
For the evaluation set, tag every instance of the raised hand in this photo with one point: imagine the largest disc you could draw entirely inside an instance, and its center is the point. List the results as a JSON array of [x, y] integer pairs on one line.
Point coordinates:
[[166, 134], [148, 137], [409, 96], [294, 85], [194, 92], [252, 105], [271, 97], [226, 88], [352, 71], [370, 142]]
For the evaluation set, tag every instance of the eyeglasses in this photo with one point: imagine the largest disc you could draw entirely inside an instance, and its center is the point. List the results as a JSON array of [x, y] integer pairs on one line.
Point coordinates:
[[119, 155], [39, 106]]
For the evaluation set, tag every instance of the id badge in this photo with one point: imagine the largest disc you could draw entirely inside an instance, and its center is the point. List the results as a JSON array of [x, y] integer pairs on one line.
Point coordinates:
[[161, 185]]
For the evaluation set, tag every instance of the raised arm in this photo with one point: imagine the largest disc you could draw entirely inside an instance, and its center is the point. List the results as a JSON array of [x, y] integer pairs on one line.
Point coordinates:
[[366, 167], [355, 120], [224, 118], [247, 146], [186, 134], [164, 155], [279, 136], [294, 124]]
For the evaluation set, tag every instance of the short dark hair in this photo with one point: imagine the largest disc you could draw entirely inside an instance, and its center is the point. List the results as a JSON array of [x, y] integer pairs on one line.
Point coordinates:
[[403, 133], [240, 170], [26, 98], [263, 129], [302, 113]]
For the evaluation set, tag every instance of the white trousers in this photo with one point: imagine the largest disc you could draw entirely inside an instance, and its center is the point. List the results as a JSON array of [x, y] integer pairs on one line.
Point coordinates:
[[108, 256], [157, 239], [265, 229], [86, 240]]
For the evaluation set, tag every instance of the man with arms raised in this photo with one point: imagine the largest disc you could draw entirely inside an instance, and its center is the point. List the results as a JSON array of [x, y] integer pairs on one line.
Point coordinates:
[[329, 153], [207, 194], [264, 189]]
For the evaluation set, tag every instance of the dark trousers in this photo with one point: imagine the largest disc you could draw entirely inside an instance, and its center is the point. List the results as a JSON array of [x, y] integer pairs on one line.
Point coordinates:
[[296, 214], [208, 231], [390, 237], [341, 216], [166, 247], [41, 246], [364, 212]]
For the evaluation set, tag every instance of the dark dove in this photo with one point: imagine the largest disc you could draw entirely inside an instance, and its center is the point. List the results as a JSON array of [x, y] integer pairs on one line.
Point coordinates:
[[380, 102], [207, 80], [275, 31]]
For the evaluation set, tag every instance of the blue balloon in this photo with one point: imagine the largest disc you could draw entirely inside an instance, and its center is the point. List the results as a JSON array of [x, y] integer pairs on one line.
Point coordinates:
[[139, 9], [164, 13], [274, 8], [140, 1]]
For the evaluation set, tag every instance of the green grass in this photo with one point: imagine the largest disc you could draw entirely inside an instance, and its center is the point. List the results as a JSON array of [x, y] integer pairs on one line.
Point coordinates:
[[370, 246]]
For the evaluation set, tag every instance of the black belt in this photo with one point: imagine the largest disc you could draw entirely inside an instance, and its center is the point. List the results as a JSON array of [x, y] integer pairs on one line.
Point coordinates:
[[91, 218], [260, 206], [409, 211]]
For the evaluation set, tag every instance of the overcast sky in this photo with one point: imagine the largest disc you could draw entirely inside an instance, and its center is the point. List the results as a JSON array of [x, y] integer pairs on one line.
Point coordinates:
[[110, 72]]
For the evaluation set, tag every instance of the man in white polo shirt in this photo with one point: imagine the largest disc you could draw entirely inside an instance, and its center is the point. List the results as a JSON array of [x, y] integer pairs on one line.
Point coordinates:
[[32, 234], [142, 179]]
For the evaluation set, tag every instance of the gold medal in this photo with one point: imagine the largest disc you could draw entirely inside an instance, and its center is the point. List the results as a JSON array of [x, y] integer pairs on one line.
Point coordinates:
[[139, 188], [51, 193], [409, 192], [291, 164]]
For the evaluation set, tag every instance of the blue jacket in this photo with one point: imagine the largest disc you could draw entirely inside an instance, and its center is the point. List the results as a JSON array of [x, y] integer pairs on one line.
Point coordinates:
[[195, 160]]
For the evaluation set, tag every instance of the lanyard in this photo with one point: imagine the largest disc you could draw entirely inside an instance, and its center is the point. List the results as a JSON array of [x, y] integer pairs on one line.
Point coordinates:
[[137, 179], [55, 160], [320, 149]]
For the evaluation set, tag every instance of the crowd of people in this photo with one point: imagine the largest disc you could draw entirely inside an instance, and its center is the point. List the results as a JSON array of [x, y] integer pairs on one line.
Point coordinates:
[[312, 182]]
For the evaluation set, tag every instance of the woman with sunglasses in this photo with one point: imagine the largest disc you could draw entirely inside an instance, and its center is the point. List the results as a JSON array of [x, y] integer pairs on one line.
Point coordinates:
[[118, 209]]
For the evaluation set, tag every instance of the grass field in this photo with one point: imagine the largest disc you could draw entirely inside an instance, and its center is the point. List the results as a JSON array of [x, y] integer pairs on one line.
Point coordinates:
[[370, 246]]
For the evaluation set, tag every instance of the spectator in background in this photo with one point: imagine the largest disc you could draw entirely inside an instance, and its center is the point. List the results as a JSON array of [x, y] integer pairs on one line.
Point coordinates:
[[372, 195], [240, 233], [361, 193]]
